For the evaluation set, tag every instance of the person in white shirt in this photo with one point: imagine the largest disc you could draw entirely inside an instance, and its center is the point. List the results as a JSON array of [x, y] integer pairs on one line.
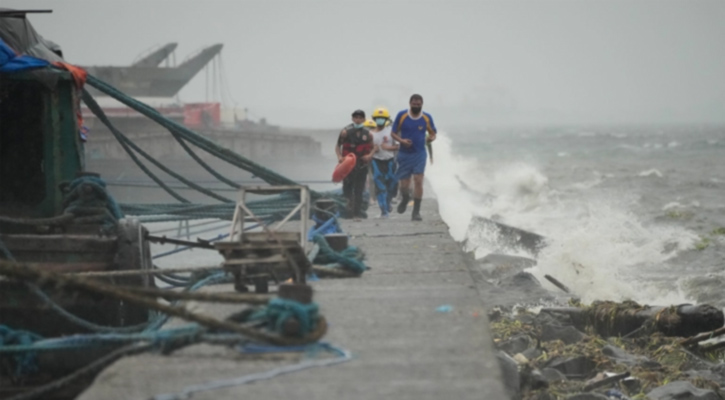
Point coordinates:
[[383, 163]]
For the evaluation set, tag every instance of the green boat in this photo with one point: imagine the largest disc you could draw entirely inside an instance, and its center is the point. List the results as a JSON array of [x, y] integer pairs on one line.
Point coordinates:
[[54, 215]]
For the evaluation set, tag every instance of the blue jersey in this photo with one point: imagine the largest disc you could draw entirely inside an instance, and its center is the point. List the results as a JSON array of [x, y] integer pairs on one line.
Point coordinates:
[[413, 129]]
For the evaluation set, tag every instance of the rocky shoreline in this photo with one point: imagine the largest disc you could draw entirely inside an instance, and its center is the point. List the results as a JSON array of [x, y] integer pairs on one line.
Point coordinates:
[[547, 355]]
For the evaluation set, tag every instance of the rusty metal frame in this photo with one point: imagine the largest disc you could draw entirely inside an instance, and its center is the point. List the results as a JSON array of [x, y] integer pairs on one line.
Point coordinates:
[[243, 214]]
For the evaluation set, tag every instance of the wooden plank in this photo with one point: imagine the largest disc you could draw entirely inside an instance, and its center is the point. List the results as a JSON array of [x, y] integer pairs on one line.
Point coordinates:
[[274, 237], [270, 189], [60, 243], [256, 246], [289, 239], [248, 261], [260, 253], [52, 256], [71, 267]]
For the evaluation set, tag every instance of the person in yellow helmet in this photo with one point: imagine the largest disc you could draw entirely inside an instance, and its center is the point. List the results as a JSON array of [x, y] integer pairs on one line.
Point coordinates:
[[383, 163]]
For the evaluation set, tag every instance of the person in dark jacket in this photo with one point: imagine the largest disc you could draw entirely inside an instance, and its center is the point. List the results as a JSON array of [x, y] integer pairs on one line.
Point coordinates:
[[355, 139]]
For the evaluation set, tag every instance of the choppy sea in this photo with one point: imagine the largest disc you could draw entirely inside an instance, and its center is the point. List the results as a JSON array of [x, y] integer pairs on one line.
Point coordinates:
[[628, 213]]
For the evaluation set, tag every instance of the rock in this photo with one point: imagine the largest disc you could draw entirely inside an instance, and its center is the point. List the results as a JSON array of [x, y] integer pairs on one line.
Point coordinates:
[[719, 368], [719, 371], [553, 318], [517, 344], [633, 385], [553, 375], [536, 380], [615, 394], [694, 362], [710, 375], [706, 289], [598, 377], [615, 352], [588, 396], [622, 357], [499, 266], [567, 334], [510, 374], [573, 367], [525, 318], [523, 281], [518, 290], [532, 353], [681, 390], [495, 314], [519, 358], [506, 236], [526, 288]]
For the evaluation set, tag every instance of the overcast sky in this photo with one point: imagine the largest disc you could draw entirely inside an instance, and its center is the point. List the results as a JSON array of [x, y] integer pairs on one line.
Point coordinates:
[[310, 63]]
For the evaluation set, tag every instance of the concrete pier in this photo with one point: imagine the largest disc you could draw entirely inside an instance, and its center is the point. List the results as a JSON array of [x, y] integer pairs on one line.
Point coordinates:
[[415, 324]]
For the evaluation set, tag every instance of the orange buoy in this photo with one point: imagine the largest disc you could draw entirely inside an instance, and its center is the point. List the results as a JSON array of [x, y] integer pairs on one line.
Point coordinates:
[[344, 168]]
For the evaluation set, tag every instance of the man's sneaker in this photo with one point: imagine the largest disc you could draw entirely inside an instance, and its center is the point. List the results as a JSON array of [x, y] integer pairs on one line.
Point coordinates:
[[384, 216], [402, 206], [416, 217]]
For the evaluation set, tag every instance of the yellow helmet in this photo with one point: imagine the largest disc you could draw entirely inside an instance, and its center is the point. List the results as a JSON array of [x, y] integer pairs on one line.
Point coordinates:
[[381, 112], [369, 124]]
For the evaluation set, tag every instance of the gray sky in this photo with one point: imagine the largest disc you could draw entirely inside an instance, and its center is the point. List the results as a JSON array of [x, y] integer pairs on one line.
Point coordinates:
[[310, 63]]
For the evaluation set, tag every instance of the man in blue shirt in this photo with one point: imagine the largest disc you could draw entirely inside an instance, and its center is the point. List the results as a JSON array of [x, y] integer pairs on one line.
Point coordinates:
[[409, 129]]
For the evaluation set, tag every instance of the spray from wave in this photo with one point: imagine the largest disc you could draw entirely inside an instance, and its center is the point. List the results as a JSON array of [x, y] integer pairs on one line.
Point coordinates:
[[595, 241]]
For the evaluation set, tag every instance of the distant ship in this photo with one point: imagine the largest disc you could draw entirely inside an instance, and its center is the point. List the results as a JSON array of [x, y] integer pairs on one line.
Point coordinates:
[[144, 78]]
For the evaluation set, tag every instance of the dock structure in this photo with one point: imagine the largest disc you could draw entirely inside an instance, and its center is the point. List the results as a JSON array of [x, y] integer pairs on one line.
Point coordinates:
[[415, 325]]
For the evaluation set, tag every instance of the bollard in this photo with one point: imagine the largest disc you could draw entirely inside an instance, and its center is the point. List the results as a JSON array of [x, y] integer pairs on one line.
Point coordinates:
[[325, 209], [298, 292], [337, 241]]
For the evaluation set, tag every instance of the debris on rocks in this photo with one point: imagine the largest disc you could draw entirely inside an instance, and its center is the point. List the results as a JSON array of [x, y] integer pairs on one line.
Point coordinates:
[[609, 318], [611, 350]]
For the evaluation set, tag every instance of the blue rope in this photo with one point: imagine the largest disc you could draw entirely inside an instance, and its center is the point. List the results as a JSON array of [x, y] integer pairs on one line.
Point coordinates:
[[350, 258], [75, 200], [187, 392], [324, 227], [257, 348], [103, 339], [279, 311], [96, 204], [25, 363]]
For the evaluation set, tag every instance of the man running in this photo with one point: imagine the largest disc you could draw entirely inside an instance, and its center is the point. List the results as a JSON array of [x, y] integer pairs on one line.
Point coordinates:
[[355, 139], [383, 165], [410, 128]]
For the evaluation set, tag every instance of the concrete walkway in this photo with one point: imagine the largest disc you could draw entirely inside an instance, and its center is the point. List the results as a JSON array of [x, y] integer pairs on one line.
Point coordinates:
[[402, 347]]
